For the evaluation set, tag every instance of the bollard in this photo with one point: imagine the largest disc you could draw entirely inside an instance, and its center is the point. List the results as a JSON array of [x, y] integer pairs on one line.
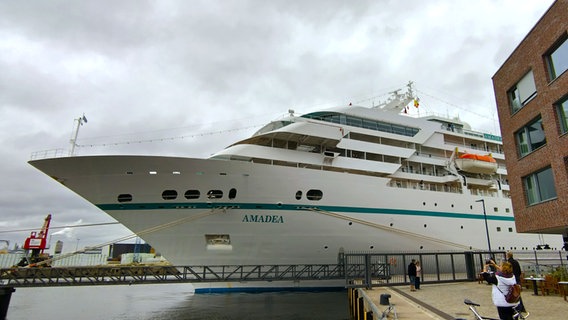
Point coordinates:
[[361, 308], [5, 295], [385, 299]]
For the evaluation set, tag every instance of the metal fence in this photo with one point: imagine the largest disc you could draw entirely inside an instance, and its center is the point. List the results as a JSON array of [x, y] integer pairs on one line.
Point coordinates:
[[437, 267]]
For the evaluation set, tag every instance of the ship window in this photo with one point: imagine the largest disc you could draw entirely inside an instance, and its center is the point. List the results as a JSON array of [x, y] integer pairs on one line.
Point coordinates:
[[214, 194], [530, 137], [363, 123], [314, 194], [232, 193], [298, 195], [522, 92], [510, 229], [218, 239], [498, 229], [507, 210], [495, 209], [169, 194], [192, 194], [125, 197]]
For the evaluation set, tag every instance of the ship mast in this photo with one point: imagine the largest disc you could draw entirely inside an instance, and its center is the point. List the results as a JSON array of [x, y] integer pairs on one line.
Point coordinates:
[[73, 140], [398, 101]]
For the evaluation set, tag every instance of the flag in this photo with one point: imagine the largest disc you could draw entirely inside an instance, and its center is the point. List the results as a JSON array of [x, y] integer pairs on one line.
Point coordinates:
[[416, 102]]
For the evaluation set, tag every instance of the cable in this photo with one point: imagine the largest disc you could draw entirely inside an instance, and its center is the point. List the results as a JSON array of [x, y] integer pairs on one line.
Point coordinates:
[[63, 227], [138, 234], [390, 229]]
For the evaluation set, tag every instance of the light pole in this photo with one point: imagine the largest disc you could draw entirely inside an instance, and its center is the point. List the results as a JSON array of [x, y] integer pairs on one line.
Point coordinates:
[[486, 227]]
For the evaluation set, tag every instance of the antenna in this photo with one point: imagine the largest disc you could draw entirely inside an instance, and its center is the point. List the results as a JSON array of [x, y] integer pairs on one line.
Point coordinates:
[[73, 140]]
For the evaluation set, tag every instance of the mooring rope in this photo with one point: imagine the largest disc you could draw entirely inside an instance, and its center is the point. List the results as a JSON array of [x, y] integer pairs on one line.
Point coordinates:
[[389, 229]]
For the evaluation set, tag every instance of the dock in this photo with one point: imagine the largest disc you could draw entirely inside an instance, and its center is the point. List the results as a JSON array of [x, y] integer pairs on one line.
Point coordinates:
[[444, 301]]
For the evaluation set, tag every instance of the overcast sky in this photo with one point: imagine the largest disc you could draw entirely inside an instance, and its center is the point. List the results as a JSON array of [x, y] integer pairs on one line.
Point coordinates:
[[203, 74]]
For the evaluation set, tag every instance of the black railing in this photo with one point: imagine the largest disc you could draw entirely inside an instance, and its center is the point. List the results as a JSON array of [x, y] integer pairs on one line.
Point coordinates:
[[356, 269]]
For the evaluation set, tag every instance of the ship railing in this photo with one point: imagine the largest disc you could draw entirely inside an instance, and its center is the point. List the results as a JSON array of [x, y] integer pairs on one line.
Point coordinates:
[[468, 147], [51, 153]]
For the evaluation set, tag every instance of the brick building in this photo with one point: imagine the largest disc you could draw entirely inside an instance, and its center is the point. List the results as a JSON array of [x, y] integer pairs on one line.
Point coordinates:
[[531, 90]]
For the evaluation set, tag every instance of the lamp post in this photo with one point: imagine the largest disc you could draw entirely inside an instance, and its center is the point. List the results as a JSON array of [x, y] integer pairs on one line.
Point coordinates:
[[486, 227]]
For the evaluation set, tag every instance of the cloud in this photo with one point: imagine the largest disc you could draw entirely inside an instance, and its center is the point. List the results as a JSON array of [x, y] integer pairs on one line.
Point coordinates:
[[145, 72]]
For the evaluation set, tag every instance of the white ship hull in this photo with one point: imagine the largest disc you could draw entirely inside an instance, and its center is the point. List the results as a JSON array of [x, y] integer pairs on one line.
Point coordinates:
[[266, 224]]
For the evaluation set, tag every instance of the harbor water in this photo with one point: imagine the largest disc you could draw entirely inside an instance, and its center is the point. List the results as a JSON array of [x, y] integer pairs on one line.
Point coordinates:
[[172, 302]]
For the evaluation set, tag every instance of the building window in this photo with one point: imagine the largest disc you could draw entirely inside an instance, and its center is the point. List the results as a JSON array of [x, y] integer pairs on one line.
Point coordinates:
[[539, 186], [530, 137], [558, 59], [562, 111], [522, 92]]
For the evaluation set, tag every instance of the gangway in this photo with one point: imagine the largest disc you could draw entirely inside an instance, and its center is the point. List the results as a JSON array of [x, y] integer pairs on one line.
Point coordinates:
[[349, 269]]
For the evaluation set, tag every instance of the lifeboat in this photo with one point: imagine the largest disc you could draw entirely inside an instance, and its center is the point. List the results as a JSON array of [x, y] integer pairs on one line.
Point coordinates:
[[476, 163]]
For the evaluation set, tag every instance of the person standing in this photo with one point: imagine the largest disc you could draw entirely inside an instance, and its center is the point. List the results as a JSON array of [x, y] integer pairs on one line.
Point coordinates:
[[418, 275], [517, 273], [501, 281], [412, 274]]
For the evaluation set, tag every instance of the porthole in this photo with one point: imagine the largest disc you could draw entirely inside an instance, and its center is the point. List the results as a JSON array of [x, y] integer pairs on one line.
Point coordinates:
[[314, 194], [391, 224], [125, 197], [372, 247], [452, 205], [435, 204], [425, 225], [423, 203], [169, 194], [298, 195], [192, 194], [325, 247], [214, 194], [471, 207], [350, 223], [421, 247], [232, 193], [461, 227]]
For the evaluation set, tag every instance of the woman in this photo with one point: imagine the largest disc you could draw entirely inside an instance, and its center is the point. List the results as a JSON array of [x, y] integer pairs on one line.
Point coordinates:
[[501, 280], [418, 275]]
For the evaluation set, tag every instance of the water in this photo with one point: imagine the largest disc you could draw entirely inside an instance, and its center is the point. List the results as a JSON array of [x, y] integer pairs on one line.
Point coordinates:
[[172, 302]]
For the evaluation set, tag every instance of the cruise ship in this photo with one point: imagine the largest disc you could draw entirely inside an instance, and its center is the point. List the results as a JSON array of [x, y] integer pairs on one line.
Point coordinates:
[[305, 188]]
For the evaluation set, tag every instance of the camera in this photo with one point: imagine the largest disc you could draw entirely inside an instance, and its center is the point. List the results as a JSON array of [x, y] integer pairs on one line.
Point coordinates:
[[488, 261]]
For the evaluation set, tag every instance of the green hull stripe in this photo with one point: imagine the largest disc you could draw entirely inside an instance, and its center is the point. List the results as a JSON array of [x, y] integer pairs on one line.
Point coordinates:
[[259, 206]]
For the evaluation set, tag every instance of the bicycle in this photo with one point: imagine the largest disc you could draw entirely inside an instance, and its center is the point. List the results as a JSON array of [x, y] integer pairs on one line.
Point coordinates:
[[390, 309], [517, 315]]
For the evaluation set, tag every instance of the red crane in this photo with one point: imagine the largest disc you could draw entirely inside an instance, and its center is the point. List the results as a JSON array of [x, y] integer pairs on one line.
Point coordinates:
[[37, 243]]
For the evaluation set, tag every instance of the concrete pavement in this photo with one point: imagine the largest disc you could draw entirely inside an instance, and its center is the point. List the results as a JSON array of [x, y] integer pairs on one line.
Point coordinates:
[[445, 301]]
